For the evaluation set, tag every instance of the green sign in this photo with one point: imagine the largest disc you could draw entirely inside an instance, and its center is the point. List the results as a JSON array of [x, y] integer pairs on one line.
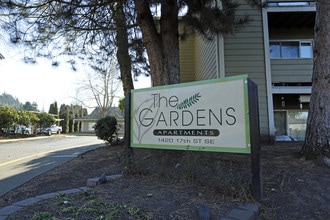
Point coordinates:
[[210, 115]]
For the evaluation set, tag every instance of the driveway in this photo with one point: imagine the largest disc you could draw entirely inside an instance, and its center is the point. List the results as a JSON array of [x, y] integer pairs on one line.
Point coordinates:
[[22, 160]]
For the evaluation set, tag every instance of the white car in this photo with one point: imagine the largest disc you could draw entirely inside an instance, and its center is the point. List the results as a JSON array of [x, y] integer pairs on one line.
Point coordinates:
[[23, 130]]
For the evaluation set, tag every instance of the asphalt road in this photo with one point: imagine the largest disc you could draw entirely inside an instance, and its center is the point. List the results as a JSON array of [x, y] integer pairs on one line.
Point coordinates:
[[22, 160]]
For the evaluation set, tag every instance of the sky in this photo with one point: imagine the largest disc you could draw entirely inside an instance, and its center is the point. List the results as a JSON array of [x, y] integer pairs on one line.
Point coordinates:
[[42, 83]]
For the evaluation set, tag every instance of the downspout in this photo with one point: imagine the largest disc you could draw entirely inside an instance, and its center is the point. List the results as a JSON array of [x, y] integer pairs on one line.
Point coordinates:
[[220, 57]]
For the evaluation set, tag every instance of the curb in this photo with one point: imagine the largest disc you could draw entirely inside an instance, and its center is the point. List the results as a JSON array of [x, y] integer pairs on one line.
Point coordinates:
[[247, 211], [23, 139], [95, 181], [11, 209]]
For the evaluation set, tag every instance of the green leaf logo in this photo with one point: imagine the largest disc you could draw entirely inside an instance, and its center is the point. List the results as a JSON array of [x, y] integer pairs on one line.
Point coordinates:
[[189, 101]]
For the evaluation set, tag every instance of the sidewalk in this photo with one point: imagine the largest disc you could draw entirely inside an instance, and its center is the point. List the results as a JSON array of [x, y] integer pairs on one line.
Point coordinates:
[[22, 139]]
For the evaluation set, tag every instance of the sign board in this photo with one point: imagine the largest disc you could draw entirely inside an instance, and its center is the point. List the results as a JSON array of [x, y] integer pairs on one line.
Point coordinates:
[[210, 115]]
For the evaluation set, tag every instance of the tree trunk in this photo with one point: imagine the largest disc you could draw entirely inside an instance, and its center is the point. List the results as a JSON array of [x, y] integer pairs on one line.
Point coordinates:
[[170, 40], [317, 138], [124, 60], [162, 47], [153, 43]]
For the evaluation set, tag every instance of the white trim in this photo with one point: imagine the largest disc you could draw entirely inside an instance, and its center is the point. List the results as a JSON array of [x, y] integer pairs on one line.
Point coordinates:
[[291, 9], [291, 89], [217, 63], [268, 75], [221, 57]]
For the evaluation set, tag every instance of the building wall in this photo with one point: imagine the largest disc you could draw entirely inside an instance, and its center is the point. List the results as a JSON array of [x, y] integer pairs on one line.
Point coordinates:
[[187, 58], [245, 54], [87, 125], [206, 59]]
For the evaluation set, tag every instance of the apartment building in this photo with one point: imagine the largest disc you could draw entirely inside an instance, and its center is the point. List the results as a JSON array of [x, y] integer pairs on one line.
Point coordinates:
[[275, 49]]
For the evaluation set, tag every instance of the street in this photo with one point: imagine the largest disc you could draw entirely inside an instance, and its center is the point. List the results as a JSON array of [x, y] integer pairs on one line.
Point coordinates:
[[22, 160]]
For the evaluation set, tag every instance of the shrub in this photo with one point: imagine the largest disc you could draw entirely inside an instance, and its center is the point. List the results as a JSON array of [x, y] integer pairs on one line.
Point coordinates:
[[106, 129]]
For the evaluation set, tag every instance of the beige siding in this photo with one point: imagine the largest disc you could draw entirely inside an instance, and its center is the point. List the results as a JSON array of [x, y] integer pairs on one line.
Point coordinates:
[[291, 70], [244, 54], [187, 56], [206, 59]]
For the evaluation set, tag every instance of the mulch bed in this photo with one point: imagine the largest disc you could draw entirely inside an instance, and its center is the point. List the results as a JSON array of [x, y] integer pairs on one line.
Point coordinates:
[[293, 188]]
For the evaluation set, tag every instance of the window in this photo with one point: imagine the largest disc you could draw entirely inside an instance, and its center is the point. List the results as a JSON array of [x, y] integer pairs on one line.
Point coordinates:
[[290, 125], [306, 50], [291, 49]]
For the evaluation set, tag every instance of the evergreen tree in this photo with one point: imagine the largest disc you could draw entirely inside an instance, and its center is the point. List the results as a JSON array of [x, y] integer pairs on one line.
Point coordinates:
[[65, 114], [30, 107], [53, 109], [45, 120]]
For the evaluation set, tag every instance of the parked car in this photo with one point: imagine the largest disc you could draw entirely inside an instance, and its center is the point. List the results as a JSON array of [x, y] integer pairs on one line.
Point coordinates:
[[24, 130], [54, 129], [39, 130]]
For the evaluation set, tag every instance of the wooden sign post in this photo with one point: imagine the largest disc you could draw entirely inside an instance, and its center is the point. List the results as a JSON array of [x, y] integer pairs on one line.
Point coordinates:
[[256, 186]]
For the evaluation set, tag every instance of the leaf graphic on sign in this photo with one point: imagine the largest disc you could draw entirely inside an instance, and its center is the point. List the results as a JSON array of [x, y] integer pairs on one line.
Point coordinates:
[[140, 130], [189, 101]]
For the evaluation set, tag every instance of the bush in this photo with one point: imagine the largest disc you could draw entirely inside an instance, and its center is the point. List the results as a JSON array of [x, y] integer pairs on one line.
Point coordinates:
[[106, 129]]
